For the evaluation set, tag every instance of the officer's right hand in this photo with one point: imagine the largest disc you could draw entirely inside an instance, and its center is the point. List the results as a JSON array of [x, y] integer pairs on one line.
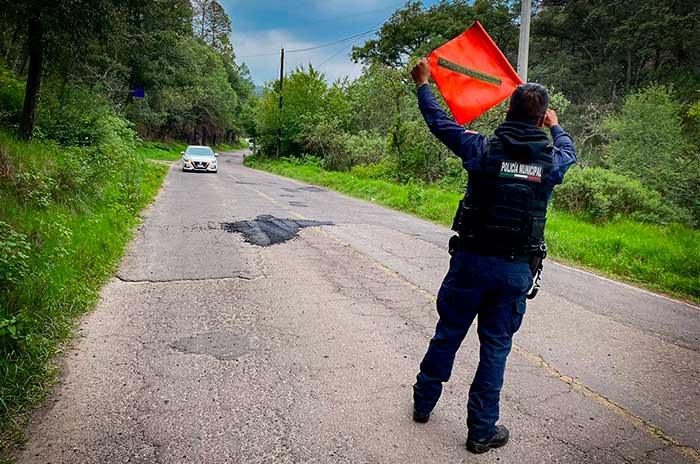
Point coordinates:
[[551, 119], [421, 72]]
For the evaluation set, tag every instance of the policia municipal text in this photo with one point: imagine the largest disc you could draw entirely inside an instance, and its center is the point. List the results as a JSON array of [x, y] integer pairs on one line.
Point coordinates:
[[500, 224]]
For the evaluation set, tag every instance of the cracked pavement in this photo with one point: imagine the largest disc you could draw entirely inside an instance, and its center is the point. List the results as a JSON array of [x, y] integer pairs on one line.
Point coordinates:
[[205, 348]]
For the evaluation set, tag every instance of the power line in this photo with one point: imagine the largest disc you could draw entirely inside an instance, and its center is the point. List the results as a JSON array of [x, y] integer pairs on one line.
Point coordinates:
[[329, 44], [345, 47], [454, 4], [316, 47]]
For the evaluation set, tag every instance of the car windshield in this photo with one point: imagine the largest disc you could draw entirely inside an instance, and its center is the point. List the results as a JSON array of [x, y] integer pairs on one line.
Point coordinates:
[[203, 151]]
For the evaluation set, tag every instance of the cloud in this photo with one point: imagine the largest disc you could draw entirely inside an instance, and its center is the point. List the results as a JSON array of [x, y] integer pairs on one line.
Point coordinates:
[[349, 6], [250, 45]]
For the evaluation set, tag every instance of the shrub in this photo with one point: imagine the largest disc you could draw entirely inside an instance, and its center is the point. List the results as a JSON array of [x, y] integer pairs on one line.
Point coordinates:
[[366, 148], [325, 138], [304, 160], [602, 195], [650, 144], [39, 173], [14, 254], [11, 97], [35, 188], [81, 118], [383, 170], [455, 177]]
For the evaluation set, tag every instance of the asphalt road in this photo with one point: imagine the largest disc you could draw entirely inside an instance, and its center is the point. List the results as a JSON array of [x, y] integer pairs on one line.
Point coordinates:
[[207, 348]]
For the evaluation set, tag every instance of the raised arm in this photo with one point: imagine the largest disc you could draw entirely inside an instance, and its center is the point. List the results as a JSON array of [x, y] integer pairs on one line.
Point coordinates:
[[467, 145]]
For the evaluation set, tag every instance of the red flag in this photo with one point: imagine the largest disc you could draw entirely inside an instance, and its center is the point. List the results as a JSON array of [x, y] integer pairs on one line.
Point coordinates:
[[472, 74]]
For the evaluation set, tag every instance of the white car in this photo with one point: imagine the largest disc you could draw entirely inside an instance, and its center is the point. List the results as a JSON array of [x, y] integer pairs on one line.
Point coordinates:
[[199, 158]]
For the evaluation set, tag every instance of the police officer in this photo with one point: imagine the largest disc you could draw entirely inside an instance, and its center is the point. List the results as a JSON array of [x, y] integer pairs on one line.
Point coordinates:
[[500, 224]]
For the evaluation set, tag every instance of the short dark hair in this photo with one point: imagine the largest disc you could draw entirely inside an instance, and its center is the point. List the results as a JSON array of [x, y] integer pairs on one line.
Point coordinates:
[[528, 103]]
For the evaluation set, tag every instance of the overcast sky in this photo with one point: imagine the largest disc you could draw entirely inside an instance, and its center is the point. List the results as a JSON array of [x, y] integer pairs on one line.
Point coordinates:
[[263, 26]]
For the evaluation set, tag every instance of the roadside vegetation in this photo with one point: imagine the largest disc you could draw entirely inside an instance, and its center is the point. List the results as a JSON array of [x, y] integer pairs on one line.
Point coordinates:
[[161, 151], [90, 93], [625, 89], [66, 216]]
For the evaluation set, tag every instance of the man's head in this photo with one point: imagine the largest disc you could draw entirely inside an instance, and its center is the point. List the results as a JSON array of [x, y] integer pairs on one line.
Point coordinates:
[[529, 104]]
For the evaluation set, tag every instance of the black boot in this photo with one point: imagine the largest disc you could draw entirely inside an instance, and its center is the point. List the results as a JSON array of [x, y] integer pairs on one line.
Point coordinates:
[[500, 438], [421, 417]]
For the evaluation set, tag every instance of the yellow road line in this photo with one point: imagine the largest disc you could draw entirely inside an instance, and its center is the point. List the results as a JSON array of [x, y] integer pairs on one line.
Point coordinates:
[[630, 417]]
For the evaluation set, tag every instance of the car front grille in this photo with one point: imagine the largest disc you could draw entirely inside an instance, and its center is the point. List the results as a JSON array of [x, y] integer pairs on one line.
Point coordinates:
[[201, 164]]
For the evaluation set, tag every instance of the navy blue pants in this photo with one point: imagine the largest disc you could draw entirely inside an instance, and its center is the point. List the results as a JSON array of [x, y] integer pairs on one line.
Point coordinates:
[[493, 289]]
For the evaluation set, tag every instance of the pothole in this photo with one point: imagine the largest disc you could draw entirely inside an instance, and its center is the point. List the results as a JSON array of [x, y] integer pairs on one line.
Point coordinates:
[[310, 188], [225, 346], [268, 230]]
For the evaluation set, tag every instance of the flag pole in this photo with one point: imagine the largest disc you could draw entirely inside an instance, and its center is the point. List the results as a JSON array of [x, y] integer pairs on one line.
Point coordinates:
[[281, 103], [524, 47]]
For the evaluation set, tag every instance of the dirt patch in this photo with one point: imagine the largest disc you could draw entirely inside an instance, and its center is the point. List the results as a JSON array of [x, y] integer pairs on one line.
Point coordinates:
[[225, 346]]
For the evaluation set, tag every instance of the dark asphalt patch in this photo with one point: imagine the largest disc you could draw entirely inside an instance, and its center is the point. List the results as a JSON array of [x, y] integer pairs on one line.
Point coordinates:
[[298, 203], [268, 230], [225, 346], [245, 183]]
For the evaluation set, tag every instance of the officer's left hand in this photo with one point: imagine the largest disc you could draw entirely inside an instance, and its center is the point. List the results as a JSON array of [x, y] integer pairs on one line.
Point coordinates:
[[551, 119], [421, 72]]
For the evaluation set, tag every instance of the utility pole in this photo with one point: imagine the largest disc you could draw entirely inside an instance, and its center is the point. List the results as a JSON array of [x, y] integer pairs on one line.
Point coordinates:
[[279, 128], [524, 47]]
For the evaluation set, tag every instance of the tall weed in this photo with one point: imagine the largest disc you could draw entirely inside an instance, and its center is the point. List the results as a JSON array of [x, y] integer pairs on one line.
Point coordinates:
[[65, 216]]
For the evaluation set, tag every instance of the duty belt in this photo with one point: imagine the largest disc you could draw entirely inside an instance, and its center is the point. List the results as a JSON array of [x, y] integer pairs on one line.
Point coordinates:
[[458, 244]]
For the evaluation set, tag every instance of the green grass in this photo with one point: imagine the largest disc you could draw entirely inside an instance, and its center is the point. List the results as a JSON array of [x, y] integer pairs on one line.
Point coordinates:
[[228, 147], [76, 239], [661, 258], [161, 151]]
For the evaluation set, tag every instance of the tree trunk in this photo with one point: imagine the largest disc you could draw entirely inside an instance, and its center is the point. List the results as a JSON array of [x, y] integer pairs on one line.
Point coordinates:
[[31, 94]]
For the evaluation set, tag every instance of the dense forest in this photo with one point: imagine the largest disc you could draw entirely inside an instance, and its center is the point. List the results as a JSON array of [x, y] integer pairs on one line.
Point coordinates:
[[623, 76], [165, 68]]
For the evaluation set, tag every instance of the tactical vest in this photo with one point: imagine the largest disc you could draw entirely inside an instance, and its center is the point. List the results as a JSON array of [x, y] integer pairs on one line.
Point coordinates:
[[504, 212]]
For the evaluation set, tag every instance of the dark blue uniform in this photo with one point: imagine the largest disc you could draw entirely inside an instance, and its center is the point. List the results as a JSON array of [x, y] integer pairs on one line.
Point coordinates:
[[488, 286]]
